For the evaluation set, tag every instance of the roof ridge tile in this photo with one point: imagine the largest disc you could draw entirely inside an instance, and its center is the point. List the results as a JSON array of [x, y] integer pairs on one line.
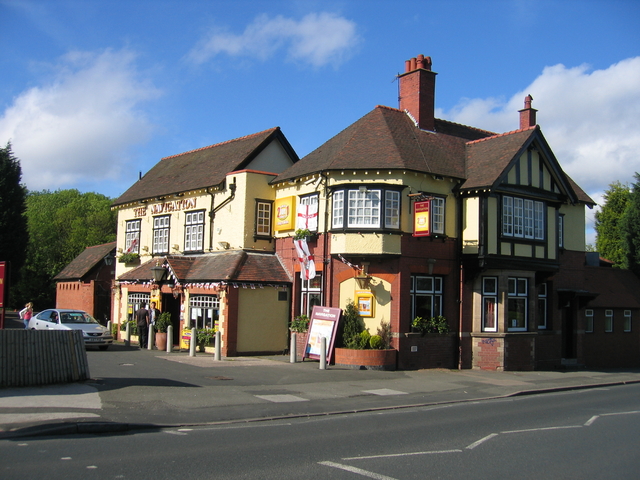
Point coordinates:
[[512, 132]]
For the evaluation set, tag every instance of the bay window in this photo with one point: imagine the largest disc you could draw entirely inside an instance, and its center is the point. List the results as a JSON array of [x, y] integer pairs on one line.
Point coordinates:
[[364, 208], [523, 218], [517, 295]]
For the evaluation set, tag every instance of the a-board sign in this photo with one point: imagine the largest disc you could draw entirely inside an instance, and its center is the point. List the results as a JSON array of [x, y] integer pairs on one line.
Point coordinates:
[[324, 323]]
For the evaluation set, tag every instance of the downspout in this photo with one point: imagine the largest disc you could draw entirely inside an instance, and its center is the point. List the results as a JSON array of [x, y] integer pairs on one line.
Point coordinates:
[[461, 280], [325, 244], [213, 211]]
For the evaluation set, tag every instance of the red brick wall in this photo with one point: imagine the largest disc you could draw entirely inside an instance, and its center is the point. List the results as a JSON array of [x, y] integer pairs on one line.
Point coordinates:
[[431, 351], [76, 295]]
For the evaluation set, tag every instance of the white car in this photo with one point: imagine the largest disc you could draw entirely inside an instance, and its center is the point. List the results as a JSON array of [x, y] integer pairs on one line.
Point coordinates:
[[67, 319]]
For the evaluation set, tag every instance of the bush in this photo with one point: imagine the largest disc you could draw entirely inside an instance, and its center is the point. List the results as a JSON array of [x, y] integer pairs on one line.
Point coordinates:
[[300, 324], [376, 342], [384, 332], [437, 324], [353, 326], [205, 336], [133, 327]]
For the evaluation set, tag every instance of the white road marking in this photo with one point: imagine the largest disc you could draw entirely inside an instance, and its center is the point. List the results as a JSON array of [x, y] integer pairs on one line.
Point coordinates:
[[408, 454], [542, 429], [384, 392], [591, 420], [282, 398], [481, 441], [359, 471]]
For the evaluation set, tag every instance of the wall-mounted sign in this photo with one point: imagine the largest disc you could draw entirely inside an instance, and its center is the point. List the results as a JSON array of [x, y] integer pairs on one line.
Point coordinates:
[[284, 214], [421, 220], [324, 323], [174, 206], [365, 302]]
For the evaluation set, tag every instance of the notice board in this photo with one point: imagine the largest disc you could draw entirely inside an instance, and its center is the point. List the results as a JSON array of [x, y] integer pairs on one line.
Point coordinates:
[[324, 323]]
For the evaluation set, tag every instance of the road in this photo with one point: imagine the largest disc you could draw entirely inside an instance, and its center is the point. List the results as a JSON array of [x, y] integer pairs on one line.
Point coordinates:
[[592, 433]]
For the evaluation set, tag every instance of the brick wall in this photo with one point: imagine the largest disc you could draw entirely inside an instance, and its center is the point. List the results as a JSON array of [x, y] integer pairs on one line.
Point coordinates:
[[431, 351]]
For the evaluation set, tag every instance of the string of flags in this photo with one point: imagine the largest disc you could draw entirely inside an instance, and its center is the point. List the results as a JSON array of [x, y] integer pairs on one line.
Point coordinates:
[[209, 285], [346, 262]]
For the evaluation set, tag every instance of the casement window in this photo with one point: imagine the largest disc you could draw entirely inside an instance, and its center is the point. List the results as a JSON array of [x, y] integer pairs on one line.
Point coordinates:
[[517, 304], [311, 220], [437, 215], [161, 234], [522, 218], [263, 218], [194, 231], [627, 321], [426, 296], [542, 306], [561, 231], [608, 321], [204, 311], [364, 208], [588, 323], [136, 301], [490, 304], [310, 294], [132, 240]]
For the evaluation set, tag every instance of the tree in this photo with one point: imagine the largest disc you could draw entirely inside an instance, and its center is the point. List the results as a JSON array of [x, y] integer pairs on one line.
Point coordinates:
[[61, 225], [13, 223], [610, 241], [630, 226]]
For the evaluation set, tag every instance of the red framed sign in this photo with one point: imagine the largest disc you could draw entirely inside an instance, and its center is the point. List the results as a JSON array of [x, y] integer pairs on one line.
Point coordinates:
[[421, 218], [324, 323]]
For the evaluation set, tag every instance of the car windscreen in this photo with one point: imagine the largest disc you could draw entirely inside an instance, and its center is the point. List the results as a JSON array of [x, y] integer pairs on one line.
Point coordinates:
[[76, 317]]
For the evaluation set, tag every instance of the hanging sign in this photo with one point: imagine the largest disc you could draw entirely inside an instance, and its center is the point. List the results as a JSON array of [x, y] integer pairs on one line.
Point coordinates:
[[284, 213], [323, 323], [421, 220]]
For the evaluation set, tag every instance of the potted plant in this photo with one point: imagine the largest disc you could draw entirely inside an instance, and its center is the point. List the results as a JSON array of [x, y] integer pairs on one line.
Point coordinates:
[[360, 349], [302, 234], [300, 326], [204, 337], [161, 326], [129, 258]]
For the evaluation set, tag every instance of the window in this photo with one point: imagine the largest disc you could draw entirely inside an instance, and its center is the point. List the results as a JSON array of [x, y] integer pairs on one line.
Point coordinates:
[[588, 316], [363, 208], [542, 306], [135, 301], [194, 231], [522, 218], [161, 234], [426, 296], [437, 215], [561, 231], [608, 321], [310, 218], [392, 209], [310, 295], [132, 239], [517, 304], [263, 218], [204, 311], [627, 321], [489, 304]]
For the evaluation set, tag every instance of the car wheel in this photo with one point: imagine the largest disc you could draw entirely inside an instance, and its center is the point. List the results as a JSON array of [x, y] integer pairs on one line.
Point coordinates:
[[103, 347]]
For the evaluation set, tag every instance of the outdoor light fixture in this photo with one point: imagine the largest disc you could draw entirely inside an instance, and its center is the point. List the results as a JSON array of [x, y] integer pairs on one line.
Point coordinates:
[[431, 263], [363, 279], [108, 259], [158, 272], [224, 245]]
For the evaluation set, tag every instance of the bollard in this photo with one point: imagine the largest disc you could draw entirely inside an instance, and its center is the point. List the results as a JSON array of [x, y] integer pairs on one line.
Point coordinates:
[[192, 343], [169, 338], [109, 326], [293, 355], [218, 347], [323, 353], [150, 338], [127, 335]]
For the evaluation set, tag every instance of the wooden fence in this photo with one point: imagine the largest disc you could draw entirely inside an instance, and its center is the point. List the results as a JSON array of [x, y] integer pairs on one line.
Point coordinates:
[[42, 357]]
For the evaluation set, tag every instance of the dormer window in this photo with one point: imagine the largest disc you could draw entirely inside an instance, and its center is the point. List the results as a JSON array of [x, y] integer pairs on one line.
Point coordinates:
[[522, 218]]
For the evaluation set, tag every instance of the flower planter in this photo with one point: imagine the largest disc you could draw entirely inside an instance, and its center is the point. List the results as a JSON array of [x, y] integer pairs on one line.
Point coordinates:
[[301, 345], [161, 341], [366, 359]]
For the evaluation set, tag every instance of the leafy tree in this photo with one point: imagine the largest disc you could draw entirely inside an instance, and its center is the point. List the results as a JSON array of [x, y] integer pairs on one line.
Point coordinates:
[[630, 226], [61, 225], [13, 223], [610, 241]]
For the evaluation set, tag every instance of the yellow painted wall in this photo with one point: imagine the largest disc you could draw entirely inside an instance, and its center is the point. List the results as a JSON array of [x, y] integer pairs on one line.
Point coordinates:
[[574, 227], [262, 320], [372, 243], [382, 294], [471, 225]]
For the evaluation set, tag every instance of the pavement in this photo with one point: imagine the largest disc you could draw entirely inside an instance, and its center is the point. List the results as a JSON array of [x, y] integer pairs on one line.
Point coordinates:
[[132, 389]]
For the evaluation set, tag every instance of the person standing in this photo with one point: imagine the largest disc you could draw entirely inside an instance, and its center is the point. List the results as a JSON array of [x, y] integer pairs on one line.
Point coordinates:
[[142, 321], [26, 313], [154, 313]]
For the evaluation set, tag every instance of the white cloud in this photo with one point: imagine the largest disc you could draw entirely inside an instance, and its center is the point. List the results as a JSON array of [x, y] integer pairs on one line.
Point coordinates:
[[317, 39], [588, 117], [79, 125]]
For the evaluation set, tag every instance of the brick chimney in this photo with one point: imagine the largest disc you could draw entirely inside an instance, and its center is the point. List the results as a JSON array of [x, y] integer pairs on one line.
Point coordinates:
[[527, 114], [417, 90]]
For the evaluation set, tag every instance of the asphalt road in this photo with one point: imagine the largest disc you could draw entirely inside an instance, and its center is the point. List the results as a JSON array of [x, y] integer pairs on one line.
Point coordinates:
[[590, 433]]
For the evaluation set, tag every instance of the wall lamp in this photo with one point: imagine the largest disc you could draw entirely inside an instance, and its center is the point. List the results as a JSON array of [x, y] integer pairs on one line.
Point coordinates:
[[224, 245], [158, 273]]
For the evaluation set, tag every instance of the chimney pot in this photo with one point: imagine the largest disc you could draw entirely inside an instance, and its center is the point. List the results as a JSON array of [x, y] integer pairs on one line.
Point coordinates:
[[413, 64], [407, 66], [527, 114]]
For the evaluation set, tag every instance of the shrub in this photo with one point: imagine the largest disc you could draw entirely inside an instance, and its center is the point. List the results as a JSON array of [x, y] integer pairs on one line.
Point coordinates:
[[205, 336], [384, 332], [133, 327], [300, 324], [376, 342], [437, 324], [353, 326]]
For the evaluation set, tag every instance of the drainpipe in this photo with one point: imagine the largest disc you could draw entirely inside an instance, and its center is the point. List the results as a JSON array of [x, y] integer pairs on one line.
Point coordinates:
[[461, 279], [213, 211]]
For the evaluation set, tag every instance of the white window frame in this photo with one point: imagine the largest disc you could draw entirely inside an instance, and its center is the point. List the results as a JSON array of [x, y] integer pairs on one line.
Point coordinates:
[[204, 311], [263, 218], [338, 209], [132, 234], [437, 215], [161, 231], [490, 299], [608, 321], [588, 316], [627, 321], [136, 301], [542, 306], [194, 231], [523, 218], [391, 209], [517, 291], [363, 209], [310, 294], [311, 200]]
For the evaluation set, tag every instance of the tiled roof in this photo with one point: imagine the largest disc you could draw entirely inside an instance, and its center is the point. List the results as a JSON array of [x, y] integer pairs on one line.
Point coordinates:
[[387, 138], [201, 168], [229, 266], [616, 288], [84, 263]]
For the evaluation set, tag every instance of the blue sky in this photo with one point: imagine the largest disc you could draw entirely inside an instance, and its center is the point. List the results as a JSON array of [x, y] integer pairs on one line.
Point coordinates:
[[94, 92]]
